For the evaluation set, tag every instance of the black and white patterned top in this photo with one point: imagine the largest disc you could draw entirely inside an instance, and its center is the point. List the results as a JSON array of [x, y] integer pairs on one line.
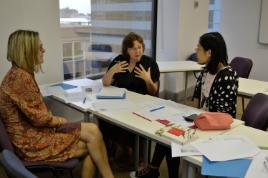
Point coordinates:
[[223, 93]]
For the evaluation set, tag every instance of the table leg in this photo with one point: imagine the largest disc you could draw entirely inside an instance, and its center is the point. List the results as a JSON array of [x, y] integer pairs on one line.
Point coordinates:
[[87, 117], [136, 151], [185, 87], [188, 170], [145, 150]]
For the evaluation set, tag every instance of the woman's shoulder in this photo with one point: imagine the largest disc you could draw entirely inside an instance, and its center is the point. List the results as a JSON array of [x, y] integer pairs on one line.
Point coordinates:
[[119, 57], [148, 60], [228, 72], [16, 77], [19, 74]]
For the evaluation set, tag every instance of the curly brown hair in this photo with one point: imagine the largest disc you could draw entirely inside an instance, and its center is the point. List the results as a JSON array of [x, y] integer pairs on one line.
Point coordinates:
[[128, 42]]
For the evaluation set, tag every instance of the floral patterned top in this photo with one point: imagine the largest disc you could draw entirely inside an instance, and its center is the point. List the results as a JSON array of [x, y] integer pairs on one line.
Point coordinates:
[[28, 121]]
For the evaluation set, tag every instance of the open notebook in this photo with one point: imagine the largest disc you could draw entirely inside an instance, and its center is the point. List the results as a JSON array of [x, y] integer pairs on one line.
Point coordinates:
[[111, 93]]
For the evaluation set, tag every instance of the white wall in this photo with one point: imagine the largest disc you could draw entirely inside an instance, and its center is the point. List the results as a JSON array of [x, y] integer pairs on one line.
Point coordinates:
[[38, 15], [179, 26], [240, 27]]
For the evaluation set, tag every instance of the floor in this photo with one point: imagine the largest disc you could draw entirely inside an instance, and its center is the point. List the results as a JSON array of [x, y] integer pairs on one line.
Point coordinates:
[[125, 173]]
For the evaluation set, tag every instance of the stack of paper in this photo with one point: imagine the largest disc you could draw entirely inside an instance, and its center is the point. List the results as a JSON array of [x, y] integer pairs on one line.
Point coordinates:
[[226, 147], [226, 155], [111, 93]]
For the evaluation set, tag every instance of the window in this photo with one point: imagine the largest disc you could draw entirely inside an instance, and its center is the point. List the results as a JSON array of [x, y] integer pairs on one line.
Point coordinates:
[[214, 15], [92, 32]]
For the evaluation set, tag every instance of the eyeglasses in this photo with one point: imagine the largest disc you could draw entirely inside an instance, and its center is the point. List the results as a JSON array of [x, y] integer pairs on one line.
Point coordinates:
[[41, 48]]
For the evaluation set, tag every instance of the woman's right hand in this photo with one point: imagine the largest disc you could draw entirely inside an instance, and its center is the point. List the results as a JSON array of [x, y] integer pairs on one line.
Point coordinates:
[[58, 121], [119, 67]]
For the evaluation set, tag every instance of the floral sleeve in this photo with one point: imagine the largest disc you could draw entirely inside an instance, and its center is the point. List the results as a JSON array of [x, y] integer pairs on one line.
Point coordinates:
[[25, 94]]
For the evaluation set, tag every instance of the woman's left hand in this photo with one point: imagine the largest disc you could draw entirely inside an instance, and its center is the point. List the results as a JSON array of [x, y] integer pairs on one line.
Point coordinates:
[[142, 73]]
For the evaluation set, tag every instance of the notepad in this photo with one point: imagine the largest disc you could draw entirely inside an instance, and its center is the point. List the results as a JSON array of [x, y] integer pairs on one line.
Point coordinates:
[[111, 93], [64, 86]]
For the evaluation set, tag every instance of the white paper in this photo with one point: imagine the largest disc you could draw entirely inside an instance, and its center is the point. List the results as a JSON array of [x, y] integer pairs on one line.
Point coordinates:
[[162, 113], [226, 147], [76, 96], [85, 83], [179, 120], [178, 150], [257, 168], [55, 91], [112, 92], [112, 105]]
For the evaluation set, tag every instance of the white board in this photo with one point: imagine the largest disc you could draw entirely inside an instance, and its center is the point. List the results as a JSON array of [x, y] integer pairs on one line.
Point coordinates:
[[263, 29]]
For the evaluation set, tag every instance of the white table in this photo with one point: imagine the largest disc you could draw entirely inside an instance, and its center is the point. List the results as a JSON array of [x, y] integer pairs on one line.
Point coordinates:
[[250, 87], [125, 119], [180, 66]]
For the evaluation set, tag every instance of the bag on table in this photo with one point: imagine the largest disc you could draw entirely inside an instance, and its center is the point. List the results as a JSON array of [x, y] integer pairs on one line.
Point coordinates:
[[213, 121]]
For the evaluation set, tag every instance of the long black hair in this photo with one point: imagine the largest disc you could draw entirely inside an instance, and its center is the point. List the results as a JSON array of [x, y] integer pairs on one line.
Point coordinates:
[[215, 42]]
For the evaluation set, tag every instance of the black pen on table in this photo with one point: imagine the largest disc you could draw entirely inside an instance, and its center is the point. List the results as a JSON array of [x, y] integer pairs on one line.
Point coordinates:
[[84, 101], [155, 109]]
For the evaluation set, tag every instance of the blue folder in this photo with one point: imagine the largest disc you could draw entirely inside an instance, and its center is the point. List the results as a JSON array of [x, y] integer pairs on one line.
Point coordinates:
[[232, 168], [65, 86]]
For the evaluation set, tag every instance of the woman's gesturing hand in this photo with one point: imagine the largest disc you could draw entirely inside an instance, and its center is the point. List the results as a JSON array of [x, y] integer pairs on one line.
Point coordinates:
[[120, 67], [142, 73]]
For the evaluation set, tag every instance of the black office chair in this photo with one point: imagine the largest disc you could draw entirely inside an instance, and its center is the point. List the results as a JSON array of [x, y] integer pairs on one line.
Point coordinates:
[[55, 167], [96, 64], [101, 47], [243, 67], [13, 165], [193, 57], [256, 113]]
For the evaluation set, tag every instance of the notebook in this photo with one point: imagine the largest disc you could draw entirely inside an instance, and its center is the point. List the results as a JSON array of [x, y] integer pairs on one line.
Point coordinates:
[[111, 93]]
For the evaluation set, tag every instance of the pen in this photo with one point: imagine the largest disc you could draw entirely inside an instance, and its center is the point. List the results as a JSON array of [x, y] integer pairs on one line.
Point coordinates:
[[84, 100], [155, 109], [141, 116]]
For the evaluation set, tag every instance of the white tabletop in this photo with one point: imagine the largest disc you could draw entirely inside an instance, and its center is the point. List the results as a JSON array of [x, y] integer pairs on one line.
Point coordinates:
[[250, 87], [125, 117], [178, 66]]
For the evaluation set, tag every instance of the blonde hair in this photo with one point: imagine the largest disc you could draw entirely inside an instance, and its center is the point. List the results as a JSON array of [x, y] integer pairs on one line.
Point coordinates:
[[23, 50]]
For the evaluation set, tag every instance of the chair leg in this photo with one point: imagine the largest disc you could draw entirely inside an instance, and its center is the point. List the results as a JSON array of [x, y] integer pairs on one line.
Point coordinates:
[[149, 150], [71, 173], [243, 104], [55, 174]]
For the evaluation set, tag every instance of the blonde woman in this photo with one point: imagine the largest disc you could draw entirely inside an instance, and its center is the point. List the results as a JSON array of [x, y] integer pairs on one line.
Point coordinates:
[[31, 127]]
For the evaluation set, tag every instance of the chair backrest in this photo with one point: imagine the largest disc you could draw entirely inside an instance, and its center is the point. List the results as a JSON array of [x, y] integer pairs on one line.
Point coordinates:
[[192, 57], [13, 165], [5, 142], [242, 66], [256, 113], [101, 47]]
